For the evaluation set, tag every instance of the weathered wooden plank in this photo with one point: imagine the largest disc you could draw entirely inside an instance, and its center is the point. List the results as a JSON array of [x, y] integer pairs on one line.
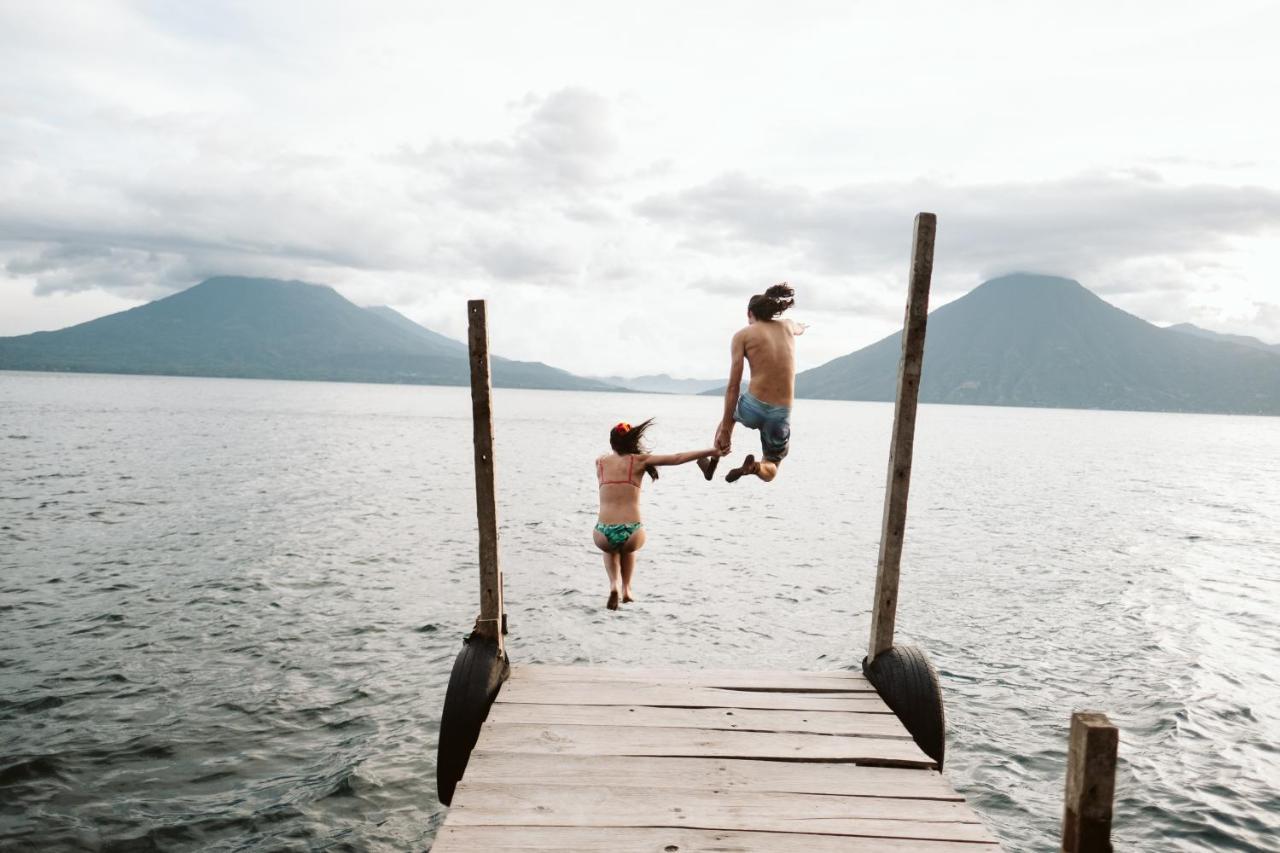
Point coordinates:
[[898, 481], [628, 673], [727, 719], [574, 839], [592, 806], [764, 680], [489, 624], [622, 693], [564, 839], [711, 774], [626, 740]]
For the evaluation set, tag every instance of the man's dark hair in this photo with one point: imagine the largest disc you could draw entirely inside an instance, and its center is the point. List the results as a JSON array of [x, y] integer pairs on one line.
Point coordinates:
[[771, 303], [631, 440]]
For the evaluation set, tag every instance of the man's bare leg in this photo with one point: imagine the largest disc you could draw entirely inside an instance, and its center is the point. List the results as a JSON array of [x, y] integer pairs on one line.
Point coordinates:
[[613, 567], [748, 466], [764, 469], [628, 560]]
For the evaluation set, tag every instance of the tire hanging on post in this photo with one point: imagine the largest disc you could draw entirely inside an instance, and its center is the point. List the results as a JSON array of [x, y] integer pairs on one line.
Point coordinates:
[[908, 684], [478, 673]]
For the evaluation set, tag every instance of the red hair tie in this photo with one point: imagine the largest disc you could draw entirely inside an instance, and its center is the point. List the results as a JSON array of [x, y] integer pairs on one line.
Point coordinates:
[[622, 426]]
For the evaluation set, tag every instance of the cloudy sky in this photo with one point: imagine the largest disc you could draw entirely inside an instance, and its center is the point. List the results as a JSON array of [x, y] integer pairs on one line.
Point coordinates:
[[617, 179]]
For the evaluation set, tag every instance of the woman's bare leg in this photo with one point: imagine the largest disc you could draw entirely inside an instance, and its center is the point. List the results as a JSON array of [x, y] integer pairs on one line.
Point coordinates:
[[628, 568], [612, 567], [766, 470], [628, 555]]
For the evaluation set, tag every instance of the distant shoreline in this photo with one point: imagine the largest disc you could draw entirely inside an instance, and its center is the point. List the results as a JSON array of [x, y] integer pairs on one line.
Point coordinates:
[[4, 370]]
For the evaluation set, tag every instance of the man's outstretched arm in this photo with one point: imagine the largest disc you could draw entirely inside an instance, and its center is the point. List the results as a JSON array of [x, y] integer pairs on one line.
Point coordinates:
[[738, 353]]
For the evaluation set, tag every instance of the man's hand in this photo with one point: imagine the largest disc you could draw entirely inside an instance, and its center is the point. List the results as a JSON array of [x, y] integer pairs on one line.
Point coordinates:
[[723, 439]]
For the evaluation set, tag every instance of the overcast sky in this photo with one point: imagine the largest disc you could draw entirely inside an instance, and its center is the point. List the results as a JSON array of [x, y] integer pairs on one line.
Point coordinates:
[[618, 179]]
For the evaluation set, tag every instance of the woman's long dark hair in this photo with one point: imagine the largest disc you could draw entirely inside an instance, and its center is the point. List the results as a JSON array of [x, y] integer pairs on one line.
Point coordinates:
[[771, 303], [630, 440]]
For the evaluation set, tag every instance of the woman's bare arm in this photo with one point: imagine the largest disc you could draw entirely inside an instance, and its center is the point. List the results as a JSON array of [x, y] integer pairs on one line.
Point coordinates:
[[677, 458]]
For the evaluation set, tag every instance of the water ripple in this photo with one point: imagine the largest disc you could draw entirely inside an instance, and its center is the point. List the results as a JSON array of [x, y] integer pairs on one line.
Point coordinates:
[[230, 607]]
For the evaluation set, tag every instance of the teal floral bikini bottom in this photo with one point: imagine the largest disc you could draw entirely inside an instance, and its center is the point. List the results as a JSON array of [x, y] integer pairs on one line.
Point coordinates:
[[618, 534]]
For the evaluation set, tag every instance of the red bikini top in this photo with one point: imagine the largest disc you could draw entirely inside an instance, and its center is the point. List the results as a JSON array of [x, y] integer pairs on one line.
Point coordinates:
[[631, 459]]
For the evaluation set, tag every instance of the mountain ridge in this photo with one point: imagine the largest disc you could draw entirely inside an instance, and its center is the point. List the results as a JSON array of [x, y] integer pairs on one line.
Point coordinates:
[[259, 328], [1242, 340], [1035, 340], [1018, 340], [661, 383]]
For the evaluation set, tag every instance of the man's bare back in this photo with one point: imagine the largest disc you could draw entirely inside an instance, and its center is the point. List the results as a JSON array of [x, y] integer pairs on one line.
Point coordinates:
[[770, 349], [768, 345]]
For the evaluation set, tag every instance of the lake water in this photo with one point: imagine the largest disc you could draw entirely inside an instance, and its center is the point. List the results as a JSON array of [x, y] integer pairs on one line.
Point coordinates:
[[228, 608]]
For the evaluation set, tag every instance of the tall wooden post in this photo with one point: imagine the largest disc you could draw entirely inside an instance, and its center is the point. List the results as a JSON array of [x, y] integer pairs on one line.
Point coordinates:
[[490, 622], [884, 609], [1091, 784]]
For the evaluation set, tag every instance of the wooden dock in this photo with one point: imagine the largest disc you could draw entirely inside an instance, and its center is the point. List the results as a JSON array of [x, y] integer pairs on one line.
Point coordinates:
[[571, 758], [595, 759]]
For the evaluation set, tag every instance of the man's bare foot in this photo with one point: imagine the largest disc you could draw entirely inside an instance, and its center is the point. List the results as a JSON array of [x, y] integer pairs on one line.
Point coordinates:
[[613, 600], [748, 466], [626, 597], [708, 465]]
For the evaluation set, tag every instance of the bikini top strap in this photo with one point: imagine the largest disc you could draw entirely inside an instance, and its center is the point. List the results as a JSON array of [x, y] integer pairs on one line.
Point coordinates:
[[631, 462]]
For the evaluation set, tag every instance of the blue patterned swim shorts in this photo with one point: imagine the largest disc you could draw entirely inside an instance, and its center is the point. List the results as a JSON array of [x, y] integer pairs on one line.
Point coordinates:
[[774, 423]]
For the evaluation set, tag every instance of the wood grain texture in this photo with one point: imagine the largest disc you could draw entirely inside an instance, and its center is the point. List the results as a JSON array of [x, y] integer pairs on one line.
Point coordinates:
[[901, 443], [835, 681], [680, 696], [564, 839], [606, 758], [1091, 783], [850, 723], [600, 740], [681, 774], [489, 623], [590, 806]]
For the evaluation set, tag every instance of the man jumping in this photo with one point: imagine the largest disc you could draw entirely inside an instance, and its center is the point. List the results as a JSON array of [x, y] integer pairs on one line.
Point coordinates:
[[768, 345]]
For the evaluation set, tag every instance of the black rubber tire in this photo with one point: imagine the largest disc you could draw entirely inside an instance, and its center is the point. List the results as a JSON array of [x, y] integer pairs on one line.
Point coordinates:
[[908, 684], [478, 673]]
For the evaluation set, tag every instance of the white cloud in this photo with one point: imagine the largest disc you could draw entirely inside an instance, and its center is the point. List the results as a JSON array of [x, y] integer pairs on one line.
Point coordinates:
[[1077, 225], [616, 176]]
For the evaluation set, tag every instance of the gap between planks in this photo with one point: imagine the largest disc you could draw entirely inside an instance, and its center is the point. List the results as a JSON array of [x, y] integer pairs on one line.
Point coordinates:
[[710, 743], [825, 723], [515, 804], [759, 680], [681, 696], [562, 839], [720, 760], [679, 774]]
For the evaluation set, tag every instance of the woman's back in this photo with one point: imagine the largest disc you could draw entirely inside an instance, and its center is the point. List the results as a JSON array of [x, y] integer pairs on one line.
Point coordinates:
[[619, 476]]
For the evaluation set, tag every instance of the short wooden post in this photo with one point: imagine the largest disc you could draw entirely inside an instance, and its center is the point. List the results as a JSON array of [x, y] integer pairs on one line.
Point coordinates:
[[490, 622], [893, 526], [1091, 784]]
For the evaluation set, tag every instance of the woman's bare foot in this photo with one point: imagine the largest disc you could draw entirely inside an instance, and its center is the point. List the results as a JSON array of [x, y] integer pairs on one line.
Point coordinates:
[[748, 467], [626, 596], [613, 600], [708, 465]]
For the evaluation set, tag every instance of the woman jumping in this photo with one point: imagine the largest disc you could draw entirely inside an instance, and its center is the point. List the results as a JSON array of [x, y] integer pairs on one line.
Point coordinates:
[[619, 532]]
